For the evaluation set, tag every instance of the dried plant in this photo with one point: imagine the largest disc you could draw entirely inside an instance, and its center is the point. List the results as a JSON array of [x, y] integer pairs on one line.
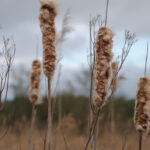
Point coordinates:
[[129, 42], [142, 106], [7, 55], [34, 93], [102, 65], [35, 81], [103, 57], [94, 24], [65, 29], [47, 16]]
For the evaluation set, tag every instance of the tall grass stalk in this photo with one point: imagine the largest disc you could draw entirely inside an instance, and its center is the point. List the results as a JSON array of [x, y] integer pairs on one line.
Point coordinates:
[[47, 17], [142, 105], [32, 126], [34, 94], [49, 132]]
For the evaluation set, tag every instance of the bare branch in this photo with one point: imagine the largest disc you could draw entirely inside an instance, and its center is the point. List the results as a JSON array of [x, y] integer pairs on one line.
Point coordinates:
[[7, 54]]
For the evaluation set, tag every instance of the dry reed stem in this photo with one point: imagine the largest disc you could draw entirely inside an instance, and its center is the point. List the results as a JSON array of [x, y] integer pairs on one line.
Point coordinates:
[[47, 16], [142, 106], [113, 86], [32, 126], [35, 81], [49, 130], [103, 58], [34, 93]]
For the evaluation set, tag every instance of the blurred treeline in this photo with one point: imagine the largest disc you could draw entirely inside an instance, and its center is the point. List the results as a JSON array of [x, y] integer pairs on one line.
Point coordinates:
[[71, 109], [19, 110]]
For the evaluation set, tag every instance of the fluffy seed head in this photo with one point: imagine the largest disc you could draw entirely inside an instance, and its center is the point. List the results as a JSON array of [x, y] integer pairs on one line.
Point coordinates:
[[104, 56], [142, 106], [35, 81], [47, 16]]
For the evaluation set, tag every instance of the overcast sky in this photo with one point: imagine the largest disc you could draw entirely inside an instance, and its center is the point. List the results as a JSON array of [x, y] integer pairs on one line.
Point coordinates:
[[20, 19]]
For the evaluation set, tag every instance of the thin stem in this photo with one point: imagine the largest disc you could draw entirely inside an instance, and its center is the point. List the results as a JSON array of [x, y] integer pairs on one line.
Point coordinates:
[[32, 125], [49, 115], [146, 60], [37, 47], [112, 123], [92, 129], [140, 142], [106, 16]]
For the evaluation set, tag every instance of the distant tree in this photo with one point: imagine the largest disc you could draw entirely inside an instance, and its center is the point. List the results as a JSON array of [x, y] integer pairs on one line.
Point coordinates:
[[20, 81]]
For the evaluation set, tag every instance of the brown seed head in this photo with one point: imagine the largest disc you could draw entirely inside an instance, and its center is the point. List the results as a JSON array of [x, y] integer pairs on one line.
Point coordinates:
[[104, 56], [142, 106], [35, 81], [47, 16]]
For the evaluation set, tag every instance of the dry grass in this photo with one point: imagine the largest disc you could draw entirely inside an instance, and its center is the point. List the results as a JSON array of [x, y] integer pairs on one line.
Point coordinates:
[[13, 141]]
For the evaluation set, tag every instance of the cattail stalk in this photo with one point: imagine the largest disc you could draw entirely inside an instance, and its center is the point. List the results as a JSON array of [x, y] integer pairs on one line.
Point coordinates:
[[142, 104], [103, 58], [34, 93], [47, 16], [113, 88], [32, 125], [142, 107]]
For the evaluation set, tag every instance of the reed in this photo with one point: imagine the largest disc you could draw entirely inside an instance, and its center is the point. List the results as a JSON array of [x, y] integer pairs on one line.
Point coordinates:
[[47, 16], [34, 94], [114, 84], [35, 81], [142, 106], [103, 58]]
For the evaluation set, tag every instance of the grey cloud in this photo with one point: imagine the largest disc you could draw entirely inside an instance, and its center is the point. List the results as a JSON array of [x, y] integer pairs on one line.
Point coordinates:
[[20, 18]]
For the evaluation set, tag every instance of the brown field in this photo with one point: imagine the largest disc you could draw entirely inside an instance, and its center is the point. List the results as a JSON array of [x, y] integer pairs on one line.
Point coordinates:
[[18, 140]]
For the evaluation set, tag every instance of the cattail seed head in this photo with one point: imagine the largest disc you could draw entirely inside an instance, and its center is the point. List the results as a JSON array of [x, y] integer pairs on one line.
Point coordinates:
[[104, 56], [35, 81], [114, 83], [142, 106], [47, 16]]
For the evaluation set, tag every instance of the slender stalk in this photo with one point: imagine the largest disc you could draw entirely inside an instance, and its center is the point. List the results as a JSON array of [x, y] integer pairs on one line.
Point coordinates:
[[112, 123], [146, 60], [140, 141], [49, 116], [92, 128], [32, 125], [106, 16], [60, 113]]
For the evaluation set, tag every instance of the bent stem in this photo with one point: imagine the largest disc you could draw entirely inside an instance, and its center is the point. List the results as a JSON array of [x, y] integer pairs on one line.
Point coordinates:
[[32, 125]]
